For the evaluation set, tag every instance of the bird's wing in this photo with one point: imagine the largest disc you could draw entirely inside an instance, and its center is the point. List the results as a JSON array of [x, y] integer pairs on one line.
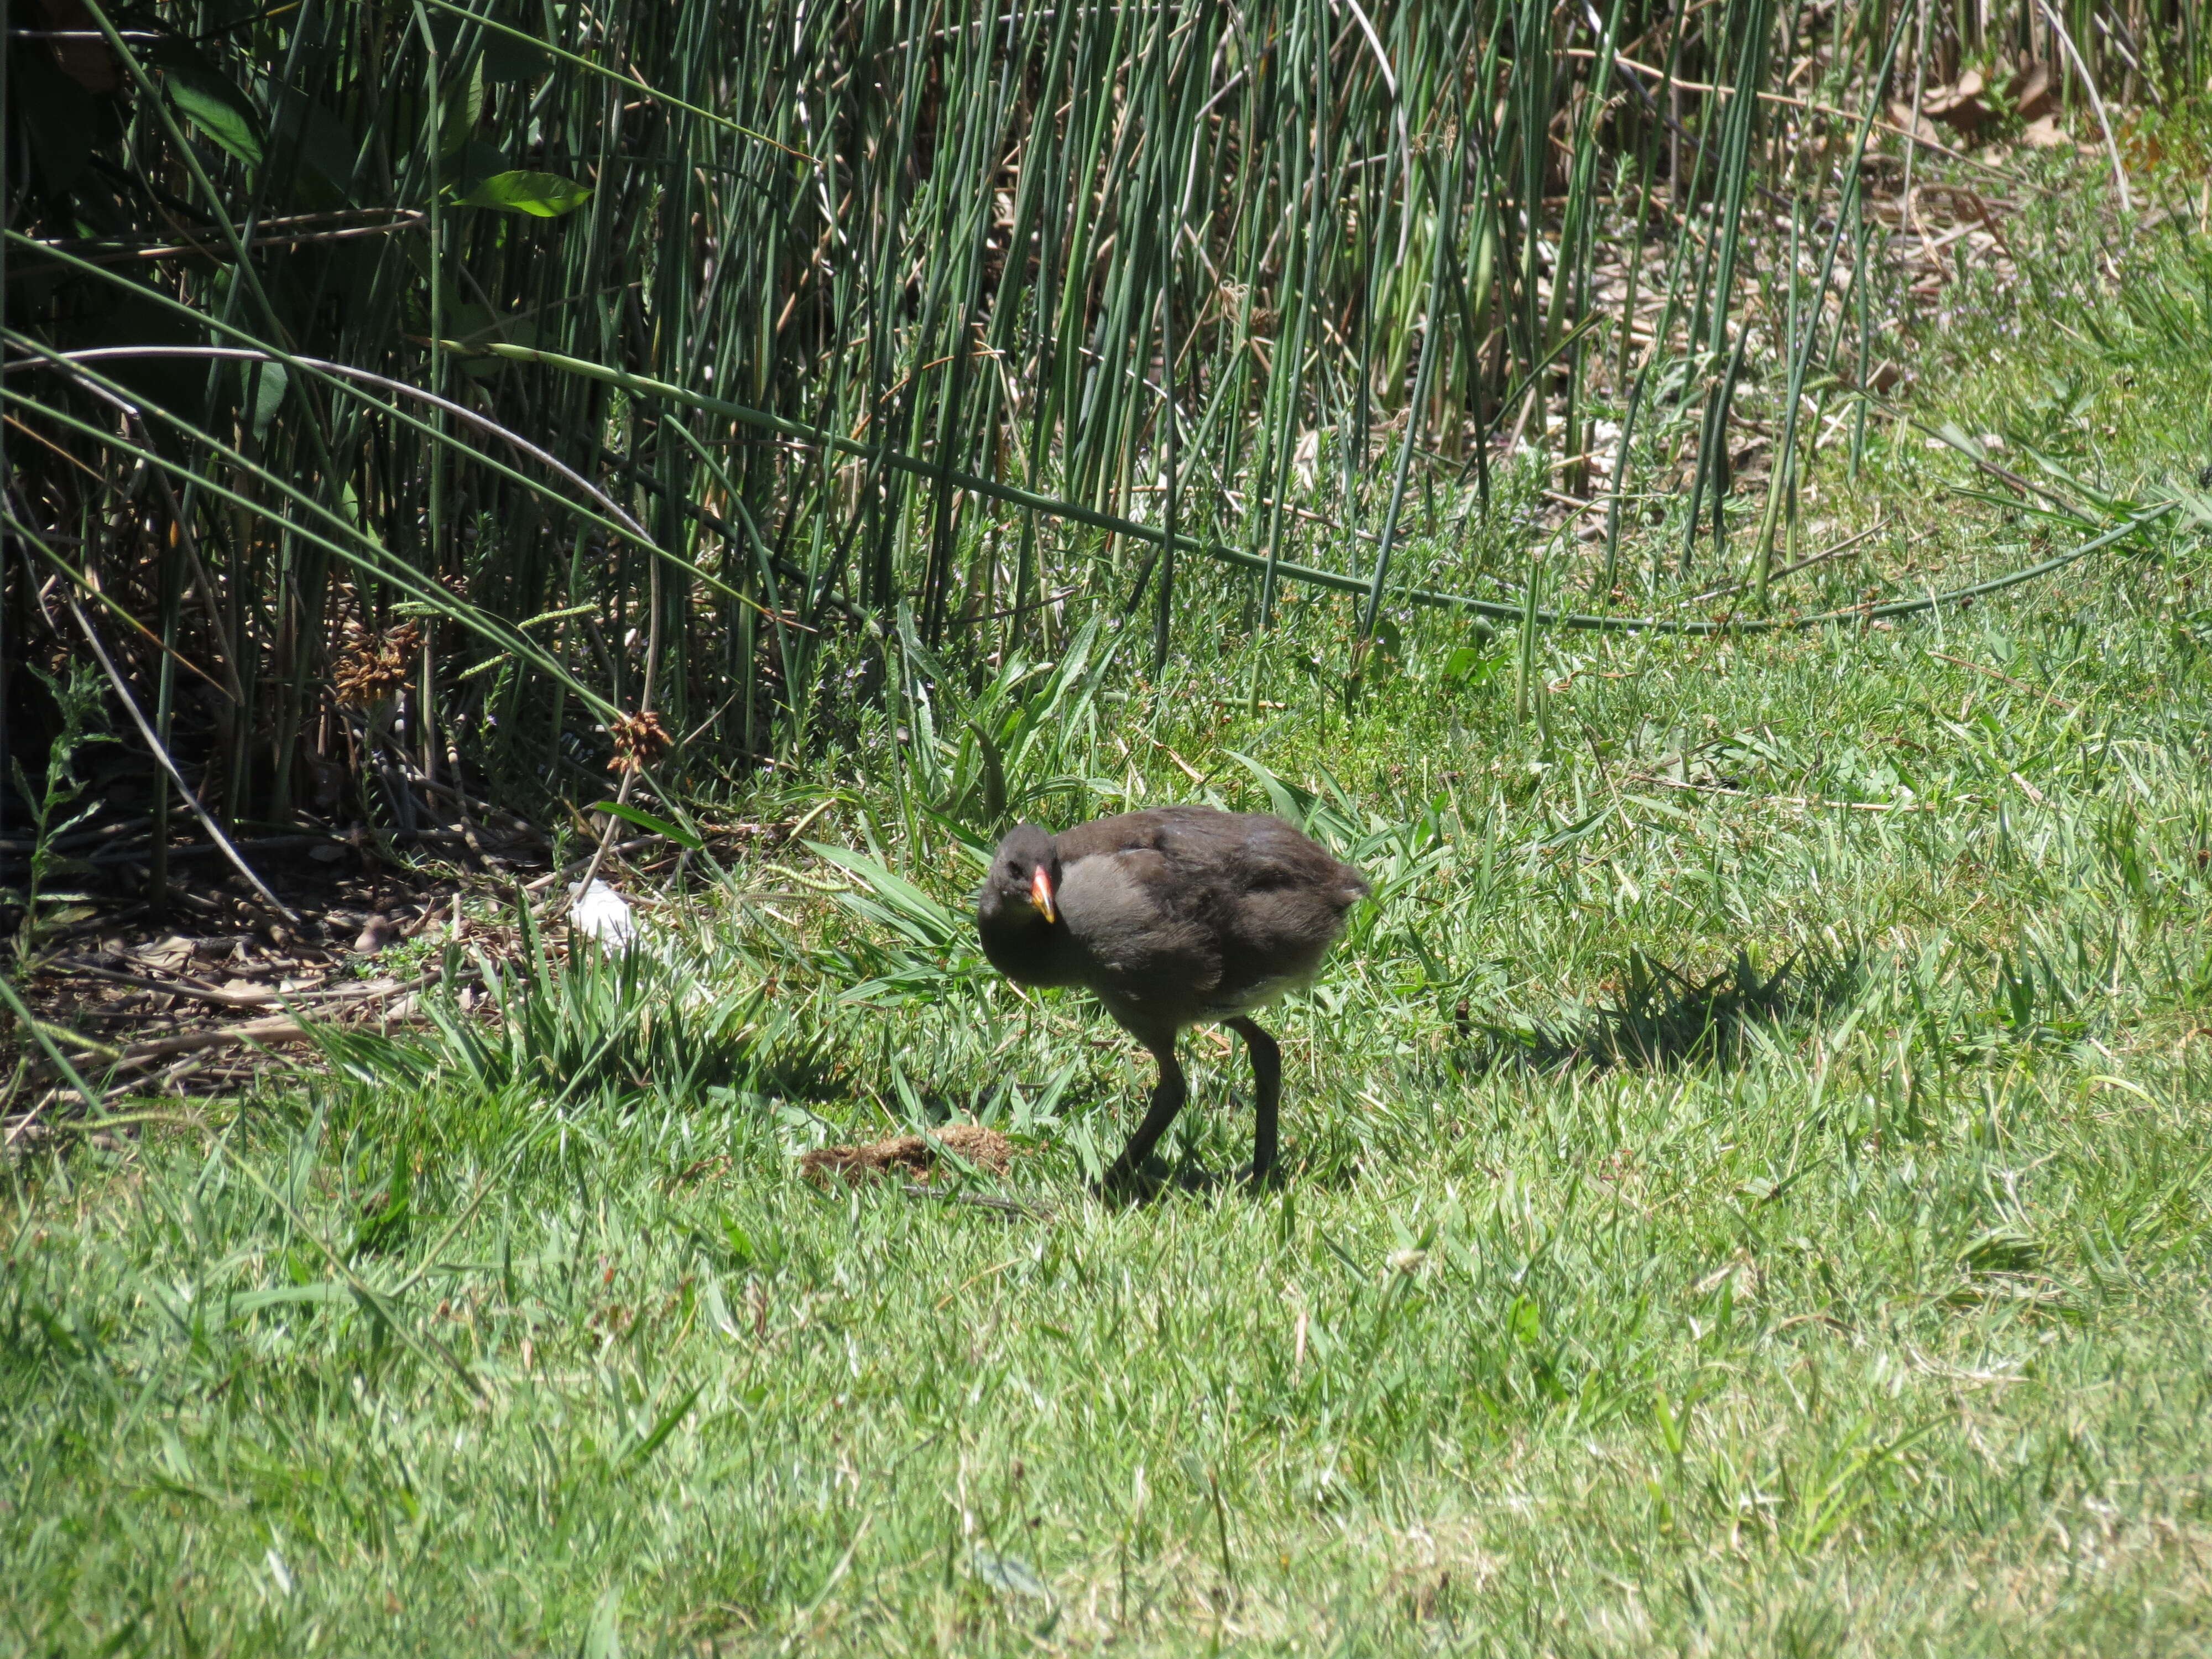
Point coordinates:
[[1119, 906], [1272, 853], [1279, 907]]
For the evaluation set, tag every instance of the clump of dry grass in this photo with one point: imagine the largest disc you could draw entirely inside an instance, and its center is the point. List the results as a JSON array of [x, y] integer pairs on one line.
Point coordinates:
[[916, 1156]]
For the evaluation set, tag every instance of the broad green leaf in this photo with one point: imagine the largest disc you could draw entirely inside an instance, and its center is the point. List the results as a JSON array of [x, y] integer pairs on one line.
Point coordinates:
[[330, 1291], [896, 891], [327, 149], [265, 385], [645, 820], [462, 109], [1290, 803], [217, 109], [546, 195], [1470, 663]]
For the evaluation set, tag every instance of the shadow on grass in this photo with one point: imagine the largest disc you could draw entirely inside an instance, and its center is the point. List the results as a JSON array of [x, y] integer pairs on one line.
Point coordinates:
[[1661, 1017]]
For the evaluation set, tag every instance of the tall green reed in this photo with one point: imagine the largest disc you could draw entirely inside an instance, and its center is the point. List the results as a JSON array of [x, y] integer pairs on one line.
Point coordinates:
[[1186, 264]]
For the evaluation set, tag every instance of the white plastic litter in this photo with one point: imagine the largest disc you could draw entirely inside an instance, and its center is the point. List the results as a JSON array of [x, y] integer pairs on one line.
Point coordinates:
[[598, 912]]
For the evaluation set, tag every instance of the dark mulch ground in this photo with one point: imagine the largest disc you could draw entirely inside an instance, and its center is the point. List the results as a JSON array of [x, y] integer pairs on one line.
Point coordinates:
[[190, 996]]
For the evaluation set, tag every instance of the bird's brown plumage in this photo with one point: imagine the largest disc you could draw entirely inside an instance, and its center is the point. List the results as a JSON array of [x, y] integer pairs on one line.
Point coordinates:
[[1171, 916]]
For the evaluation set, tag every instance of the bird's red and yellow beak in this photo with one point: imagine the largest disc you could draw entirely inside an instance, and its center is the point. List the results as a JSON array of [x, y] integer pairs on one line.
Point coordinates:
[[1041, 894]]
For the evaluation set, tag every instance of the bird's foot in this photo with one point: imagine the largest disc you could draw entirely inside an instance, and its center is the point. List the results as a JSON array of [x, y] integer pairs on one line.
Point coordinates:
[[1153, 1177], [1259, 1180], [1138, 1184]]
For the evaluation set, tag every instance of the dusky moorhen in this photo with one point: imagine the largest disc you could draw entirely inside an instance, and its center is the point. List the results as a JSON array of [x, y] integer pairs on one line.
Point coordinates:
[[1171, 916]]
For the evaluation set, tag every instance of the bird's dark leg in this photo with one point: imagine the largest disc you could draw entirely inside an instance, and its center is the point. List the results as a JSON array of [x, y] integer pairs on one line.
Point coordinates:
[[1167, 1100], [1267, 1088]]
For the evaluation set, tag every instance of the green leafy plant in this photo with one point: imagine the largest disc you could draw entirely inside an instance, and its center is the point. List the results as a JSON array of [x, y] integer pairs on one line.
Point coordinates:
[[59, 802]]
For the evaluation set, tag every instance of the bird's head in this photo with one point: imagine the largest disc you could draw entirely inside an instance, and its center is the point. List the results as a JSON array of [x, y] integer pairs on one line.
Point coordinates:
[[1023, 885]]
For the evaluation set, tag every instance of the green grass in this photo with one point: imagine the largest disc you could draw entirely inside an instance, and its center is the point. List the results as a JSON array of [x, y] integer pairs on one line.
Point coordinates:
[[1797, 1246], [1880, 1327]]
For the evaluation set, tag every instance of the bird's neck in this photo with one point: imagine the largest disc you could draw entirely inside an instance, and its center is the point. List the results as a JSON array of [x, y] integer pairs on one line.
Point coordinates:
[[1030, 950]]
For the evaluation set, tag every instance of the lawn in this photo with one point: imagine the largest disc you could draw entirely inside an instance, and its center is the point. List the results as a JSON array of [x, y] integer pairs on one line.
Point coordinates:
[[1746, 1190]]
